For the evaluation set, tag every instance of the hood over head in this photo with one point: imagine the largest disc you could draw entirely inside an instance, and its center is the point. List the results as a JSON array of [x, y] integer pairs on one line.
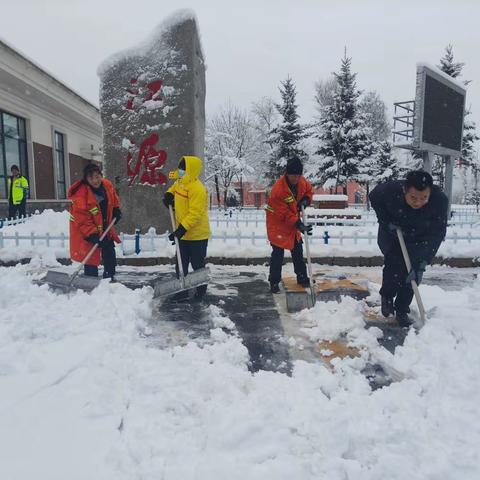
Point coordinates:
[[193, 169]]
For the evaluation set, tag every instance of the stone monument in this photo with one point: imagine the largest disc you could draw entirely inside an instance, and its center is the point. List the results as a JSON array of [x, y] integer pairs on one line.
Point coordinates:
[[152, 104]]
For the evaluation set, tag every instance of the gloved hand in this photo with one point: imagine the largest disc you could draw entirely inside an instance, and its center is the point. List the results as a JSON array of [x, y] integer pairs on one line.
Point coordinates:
[[117, 214], [303, 202], [416, 273], [169, 199], [392, 227], [94, 239], [304, 228], [179, 233]]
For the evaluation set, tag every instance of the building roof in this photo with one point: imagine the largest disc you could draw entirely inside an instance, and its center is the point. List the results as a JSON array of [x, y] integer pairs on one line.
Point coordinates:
[[45, 72]]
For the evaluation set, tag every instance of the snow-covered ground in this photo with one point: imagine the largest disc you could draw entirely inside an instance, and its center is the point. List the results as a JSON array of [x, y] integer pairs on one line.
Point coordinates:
[[85, 395], [227, 241]]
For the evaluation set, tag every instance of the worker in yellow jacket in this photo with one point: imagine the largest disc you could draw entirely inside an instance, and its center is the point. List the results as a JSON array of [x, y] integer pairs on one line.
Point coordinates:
[[17, 193], [189, 197]]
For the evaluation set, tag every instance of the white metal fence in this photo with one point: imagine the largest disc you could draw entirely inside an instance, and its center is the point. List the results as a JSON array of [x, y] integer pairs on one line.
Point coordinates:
[[367, 219]]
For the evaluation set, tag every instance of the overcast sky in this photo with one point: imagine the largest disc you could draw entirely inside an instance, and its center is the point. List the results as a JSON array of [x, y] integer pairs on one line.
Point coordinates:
[[250, 45]]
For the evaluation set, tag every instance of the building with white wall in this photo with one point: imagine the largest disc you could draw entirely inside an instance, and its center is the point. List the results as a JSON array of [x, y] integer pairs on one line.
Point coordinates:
[[46, 128]]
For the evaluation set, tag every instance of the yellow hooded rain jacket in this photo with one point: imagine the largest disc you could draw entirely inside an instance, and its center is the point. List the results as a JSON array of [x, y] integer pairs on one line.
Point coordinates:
[[191, 201]]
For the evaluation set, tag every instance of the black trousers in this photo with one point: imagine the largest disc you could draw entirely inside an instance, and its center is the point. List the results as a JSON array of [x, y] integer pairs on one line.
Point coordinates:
[[276, 262], [17, 210], [109, 260], [193, 252], [394, 284]]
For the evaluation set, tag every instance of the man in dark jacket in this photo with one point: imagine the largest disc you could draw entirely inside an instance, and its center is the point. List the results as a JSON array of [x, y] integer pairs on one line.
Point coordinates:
[[419, 209]]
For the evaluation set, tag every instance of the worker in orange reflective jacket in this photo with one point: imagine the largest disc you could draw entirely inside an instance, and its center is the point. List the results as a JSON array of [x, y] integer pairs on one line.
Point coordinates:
[[95, 204], [284, 226]]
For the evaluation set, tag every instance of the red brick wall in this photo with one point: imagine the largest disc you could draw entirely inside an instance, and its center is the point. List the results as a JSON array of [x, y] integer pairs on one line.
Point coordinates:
[[256, 198], [352, 187], [330, 204], [44, 177]]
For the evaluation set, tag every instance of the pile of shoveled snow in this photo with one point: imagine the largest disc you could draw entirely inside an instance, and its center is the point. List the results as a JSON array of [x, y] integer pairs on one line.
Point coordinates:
[[84, 396]]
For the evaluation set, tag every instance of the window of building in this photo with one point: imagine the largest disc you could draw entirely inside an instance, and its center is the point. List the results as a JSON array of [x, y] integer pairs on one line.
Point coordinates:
[[13, 148], [60, 165]]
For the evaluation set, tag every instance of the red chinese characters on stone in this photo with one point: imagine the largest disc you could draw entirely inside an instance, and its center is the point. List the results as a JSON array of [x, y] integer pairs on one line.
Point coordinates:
[[138, 94], [146, 167]]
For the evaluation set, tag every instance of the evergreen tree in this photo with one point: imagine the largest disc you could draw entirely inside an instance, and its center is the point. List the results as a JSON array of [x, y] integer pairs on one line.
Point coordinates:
[[454, 69], [345, 139], [375, 112], [449, 65], [469, 139], [384, 163], [287, 137]]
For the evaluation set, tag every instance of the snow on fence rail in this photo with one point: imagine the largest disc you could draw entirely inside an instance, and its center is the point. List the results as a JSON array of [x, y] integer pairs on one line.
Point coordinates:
[[151, 242]]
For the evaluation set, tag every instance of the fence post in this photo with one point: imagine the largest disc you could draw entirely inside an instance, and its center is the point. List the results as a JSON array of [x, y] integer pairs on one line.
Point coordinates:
[[370, 237], [325, 237], [253, 237], [1, 239], [137, 241], [62, 236], [455, 237], [17, 241], [32, 239], [224, 236], [47, 237], [340, 236], [355, 237], [469, 235]]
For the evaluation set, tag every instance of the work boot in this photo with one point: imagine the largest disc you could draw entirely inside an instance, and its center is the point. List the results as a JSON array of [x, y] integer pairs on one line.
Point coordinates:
[[403, 319], [274, 288], [303, 281], [387, 306]]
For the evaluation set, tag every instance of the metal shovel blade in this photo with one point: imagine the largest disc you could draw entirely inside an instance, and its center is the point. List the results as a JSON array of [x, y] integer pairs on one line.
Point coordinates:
[[174, 285], [63, 281]]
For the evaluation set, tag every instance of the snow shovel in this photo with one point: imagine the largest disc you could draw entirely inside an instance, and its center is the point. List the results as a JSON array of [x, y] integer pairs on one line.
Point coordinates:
[[184, 282], [408, 264], [309, 259], [68, 282]]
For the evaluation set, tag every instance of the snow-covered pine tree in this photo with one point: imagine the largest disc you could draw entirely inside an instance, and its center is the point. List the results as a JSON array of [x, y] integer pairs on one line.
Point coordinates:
[[449, 65], [454, 69], [287, 137], [375, 112], [344, 138], [385, 164], [472, 193]]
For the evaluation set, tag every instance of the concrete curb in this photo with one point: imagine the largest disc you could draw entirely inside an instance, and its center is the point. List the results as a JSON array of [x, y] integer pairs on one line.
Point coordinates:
[[376, 261]]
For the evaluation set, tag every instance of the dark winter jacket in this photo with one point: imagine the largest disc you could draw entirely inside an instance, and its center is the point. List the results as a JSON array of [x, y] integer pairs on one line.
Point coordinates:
[[424, 229]]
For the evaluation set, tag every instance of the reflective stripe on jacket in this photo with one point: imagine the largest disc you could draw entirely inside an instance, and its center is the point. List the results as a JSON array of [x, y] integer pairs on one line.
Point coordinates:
[[282, 212], [191, 201], [19, 189], [86, 219]]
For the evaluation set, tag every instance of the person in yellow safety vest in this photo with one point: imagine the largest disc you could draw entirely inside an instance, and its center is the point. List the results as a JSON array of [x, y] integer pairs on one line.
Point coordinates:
[[17, 193], [189, 197]]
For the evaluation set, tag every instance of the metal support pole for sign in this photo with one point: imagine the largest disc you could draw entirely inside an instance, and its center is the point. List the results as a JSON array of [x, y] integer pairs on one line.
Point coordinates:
[[448, 180], [427, 161]]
